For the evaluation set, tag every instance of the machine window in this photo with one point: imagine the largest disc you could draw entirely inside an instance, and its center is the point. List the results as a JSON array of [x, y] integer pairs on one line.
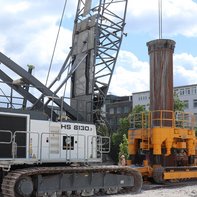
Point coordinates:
[[68, 142]]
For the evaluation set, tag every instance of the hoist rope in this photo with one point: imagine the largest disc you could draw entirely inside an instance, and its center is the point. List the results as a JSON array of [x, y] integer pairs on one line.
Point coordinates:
[[160, 18], [65, 3]]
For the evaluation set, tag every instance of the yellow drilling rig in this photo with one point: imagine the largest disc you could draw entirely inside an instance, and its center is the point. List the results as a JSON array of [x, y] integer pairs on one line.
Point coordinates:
[[162, 142]]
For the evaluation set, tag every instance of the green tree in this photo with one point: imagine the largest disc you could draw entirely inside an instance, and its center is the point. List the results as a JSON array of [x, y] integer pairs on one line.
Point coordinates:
[[136, 116], [102, 129], [138, 109], [116, 140], [178, 104], [123, 147], [118, 137], [124, 125]]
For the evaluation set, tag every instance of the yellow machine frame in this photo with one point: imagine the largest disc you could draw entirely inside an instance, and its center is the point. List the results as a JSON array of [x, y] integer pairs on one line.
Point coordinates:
[[154, 131]]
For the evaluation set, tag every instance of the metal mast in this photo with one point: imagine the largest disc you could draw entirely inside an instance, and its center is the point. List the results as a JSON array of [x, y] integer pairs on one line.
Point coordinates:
[[97, 37]]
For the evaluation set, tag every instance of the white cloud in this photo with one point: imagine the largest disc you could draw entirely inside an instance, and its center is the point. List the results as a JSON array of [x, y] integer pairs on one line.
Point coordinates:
[[28, 34], [185, 59], [179, 17], [185, 69], [17, 7], [131, 75]]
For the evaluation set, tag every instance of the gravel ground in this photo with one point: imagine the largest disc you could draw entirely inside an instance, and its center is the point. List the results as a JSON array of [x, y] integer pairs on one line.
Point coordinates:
[[181, 191], [184, 191]]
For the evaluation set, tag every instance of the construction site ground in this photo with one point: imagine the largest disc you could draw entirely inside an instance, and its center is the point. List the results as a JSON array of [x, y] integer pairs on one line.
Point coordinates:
[[187, 189], [183, 189]]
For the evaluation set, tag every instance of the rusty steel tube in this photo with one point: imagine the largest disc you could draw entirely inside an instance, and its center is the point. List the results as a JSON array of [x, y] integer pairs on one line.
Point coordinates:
[[161, 78]]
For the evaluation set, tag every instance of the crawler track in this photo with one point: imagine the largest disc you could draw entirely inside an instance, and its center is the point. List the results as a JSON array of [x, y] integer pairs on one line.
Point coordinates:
[[11, 185]]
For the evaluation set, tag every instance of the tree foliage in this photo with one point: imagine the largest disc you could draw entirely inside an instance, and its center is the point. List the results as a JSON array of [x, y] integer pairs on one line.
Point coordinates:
[[120, 137], [136, 115], [115, 141], [103, 130], [123, 147], [124, 125], [117, 137], [178, 104], [138, 109]]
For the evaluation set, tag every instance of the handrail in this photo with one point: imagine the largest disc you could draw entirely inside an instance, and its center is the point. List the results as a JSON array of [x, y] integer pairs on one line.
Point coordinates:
[[35, 149], [163, 118]]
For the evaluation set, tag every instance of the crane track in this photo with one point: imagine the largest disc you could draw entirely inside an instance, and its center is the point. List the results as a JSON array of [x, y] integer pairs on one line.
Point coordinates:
[[10, 180]]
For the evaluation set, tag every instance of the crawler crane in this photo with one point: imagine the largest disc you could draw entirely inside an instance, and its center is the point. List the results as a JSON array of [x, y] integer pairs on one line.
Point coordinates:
[[50, 147]]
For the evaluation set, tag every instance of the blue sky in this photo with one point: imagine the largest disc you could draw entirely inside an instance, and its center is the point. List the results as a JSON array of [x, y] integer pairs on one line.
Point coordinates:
[[29, 28]]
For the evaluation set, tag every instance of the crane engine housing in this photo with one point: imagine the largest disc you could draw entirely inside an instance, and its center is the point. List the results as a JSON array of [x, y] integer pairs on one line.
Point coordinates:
[[40, 141]]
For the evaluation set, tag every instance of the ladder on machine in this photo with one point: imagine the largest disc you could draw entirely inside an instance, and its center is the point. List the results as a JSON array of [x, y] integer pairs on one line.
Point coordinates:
[[145, 139], [145, 132]]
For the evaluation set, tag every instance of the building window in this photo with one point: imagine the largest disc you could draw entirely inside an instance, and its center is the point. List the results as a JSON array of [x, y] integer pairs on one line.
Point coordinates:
[[182, 91], [187, 90], [119, 110], [186, 102], [111, 111], [112, 121], [126, 109], [194, 90], [195, 103], [142, 98], [176, 91]]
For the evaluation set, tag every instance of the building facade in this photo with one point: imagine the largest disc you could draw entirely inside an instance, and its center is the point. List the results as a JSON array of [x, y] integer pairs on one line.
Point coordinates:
[[117, 107], [187, 94]]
